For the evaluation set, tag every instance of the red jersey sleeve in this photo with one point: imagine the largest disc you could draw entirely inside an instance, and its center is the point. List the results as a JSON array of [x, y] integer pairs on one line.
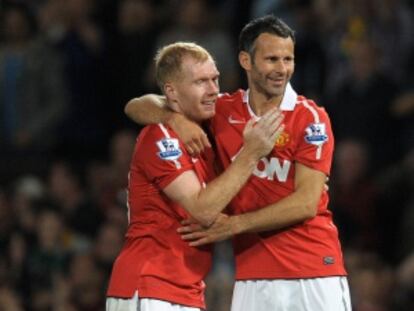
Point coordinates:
[[162, 157], [315, 138]]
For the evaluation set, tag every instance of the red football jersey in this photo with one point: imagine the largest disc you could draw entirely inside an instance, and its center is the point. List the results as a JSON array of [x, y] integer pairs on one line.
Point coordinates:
[[309, 249], [154, 259]]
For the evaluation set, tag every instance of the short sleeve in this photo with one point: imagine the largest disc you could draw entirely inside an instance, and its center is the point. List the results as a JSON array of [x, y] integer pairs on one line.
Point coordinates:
[[315, 139], [161, 156]]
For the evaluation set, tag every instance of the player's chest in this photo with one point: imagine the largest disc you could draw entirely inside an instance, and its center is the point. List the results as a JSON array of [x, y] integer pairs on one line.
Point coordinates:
[[229, 135]]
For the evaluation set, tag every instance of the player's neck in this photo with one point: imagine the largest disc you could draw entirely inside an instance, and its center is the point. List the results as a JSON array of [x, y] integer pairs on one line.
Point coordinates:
[[260, 104]]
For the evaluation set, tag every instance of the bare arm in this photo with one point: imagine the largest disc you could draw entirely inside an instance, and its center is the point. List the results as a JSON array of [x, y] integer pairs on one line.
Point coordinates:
[[299, 206], [152, 108], [295, 208], [148, 109], [205, 204]]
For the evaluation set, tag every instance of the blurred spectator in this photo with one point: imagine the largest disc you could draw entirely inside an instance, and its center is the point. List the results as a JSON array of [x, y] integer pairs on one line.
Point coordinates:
[[46, 260], [121, 146], [108, 244], [68, 66], [392, 28], [79, 213], [192, 22], [282, 8], [107, 181], [371, 282], [355, 214], [360, 108], [137, 27], [404, 294], [87, 283], [80, 41], [32, 93], [402, 109], [6, 221], [396, 210], [9, 300], [310, 57]]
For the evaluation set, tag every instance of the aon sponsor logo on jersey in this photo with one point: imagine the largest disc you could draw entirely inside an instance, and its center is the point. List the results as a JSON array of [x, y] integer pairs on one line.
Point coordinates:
[[272, 169]]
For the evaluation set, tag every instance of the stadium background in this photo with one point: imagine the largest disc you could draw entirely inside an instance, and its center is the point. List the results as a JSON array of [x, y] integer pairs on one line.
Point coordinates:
[[67, 68]]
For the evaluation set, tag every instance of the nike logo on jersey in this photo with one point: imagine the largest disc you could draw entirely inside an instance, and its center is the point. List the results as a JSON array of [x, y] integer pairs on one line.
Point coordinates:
[[236, 121]]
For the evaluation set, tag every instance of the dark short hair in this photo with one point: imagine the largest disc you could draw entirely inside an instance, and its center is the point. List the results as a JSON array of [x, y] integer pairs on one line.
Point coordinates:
[[266, 24]]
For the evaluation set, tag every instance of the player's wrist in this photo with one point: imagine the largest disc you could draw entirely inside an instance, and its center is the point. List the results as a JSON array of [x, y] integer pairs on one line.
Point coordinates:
[[249, 156], [238, 224]]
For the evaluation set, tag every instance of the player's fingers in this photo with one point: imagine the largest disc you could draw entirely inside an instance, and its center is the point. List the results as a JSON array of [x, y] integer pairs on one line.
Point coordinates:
[[185, 229], [200, 242], [276, 125], [205, 141], [277, 133], [199, 145], [189, 148], [273, 119], [192, 236], [190, 228], [270, 115]]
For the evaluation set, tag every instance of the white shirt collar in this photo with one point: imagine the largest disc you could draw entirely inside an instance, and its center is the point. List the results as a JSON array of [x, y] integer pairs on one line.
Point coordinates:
[[288, 101]]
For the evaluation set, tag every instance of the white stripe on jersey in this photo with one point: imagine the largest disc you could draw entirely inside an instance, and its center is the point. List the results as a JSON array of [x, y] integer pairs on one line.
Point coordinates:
[[164, 130], [167, 135], [317, 120]]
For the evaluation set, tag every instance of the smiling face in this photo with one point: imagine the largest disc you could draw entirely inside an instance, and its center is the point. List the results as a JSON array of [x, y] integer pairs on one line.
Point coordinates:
[[195, 92], [270, 66]]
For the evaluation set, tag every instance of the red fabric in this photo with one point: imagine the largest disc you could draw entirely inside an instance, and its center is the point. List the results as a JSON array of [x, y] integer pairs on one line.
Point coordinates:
[[309, 249], [155, 260]]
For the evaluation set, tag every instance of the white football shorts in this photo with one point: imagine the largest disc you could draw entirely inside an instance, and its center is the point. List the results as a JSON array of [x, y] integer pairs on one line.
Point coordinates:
[[144, 304], [316, 294]]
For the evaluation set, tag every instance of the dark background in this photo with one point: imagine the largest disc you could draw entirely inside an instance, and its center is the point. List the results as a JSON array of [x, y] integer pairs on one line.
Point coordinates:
[[67, 69]]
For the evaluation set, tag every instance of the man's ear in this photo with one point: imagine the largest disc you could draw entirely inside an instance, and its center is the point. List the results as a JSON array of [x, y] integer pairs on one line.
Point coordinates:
[[245, 60], [169, 91]]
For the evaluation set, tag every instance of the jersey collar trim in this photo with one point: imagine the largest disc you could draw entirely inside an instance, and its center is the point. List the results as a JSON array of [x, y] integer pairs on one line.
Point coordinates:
[[289, 99], [288, 102]]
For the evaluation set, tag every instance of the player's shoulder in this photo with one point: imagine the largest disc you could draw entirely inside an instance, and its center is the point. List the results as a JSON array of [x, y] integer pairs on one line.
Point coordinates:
[[226, 101], [158, 139], [236, 96], [310, 107], [154, 132]]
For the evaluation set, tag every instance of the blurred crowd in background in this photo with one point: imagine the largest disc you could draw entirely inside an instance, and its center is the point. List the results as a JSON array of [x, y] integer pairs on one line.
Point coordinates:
[[68, 67]]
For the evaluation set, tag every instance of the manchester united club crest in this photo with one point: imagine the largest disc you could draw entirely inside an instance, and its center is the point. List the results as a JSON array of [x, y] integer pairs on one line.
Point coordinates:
[[282, 140]]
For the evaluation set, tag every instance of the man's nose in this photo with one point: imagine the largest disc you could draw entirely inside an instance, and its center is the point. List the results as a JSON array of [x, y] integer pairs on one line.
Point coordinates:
[[280, 66], [213, 87]]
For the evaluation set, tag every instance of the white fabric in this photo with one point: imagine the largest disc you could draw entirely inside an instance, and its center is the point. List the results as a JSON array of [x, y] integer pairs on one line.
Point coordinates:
[[318, 294], [145, 304], [288, 103]]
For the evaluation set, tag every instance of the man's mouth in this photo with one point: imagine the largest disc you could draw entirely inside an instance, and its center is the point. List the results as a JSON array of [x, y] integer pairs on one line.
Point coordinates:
[[277, 81], [209, 102]]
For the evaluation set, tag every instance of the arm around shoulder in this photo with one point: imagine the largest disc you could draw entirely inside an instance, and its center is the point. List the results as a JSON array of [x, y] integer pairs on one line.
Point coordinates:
[[299, 206], [148, 109]]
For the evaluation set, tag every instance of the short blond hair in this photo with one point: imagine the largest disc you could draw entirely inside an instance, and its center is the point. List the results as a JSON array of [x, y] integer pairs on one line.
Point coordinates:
[[169, 59]]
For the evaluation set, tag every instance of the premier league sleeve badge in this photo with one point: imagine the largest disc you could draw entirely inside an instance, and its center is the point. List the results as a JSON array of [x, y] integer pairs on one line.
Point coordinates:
[[316, 134], [169, 149]]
